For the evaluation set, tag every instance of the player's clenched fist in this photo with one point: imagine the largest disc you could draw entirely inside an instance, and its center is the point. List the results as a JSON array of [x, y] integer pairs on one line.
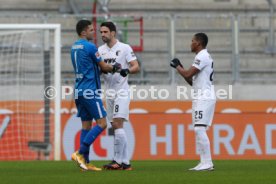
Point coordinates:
[[116, 67], [175, 63], [124, 72]]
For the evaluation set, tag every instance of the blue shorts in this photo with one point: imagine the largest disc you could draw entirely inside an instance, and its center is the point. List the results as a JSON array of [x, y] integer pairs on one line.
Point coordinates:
[[89, 109]]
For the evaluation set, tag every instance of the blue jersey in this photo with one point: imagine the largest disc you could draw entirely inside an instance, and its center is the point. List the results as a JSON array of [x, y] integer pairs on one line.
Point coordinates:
[[85, 58]]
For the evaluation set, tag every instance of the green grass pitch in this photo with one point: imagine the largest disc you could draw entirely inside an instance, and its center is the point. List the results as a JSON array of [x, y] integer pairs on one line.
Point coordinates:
[[145, 172]]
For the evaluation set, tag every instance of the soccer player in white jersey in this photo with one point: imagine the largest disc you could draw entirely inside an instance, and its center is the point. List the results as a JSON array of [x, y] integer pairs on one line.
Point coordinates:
[[114, 51], [200, 77]]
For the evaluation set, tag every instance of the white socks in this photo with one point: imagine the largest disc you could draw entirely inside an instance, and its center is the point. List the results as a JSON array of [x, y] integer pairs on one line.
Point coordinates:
[[125, 152], [203, 144], [120, 147]]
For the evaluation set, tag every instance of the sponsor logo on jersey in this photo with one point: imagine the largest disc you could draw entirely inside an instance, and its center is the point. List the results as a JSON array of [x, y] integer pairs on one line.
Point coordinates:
[[132, 54], [77, 47], [110, 60]]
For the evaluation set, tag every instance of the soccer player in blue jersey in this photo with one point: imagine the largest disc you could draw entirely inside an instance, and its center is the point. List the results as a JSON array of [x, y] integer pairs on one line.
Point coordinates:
[[87, 64]]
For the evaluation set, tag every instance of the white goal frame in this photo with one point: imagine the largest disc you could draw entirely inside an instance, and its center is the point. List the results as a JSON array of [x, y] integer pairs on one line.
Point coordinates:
[[57, 72]]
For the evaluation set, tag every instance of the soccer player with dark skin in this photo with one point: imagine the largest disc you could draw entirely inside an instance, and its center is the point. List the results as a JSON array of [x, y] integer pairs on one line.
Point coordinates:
[[200, 77]]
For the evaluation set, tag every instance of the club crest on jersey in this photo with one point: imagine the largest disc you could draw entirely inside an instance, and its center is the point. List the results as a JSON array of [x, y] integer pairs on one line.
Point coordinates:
[[197, 62], [118, 52], [97, 55]]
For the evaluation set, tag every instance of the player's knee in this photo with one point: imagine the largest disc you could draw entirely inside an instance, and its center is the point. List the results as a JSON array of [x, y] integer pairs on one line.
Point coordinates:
[[117, 123], [102, 123], [86, 125]]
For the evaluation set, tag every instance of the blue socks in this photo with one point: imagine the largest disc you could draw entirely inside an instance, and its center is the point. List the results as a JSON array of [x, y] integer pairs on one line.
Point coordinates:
[[84, 132], [89, 139]]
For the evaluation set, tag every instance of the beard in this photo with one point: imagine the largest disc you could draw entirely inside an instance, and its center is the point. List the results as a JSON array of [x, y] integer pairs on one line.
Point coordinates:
[[193, 49], [105, 40]]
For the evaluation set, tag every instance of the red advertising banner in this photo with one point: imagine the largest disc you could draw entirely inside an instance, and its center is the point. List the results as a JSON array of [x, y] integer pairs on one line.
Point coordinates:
[[157, 130], [170, 136], [235, 136]]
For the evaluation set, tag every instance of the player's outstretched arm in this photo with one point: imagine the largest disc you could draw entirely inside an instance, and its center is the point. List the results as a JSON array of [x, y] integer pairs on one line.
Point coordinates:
[[109, 68], [133, 68]]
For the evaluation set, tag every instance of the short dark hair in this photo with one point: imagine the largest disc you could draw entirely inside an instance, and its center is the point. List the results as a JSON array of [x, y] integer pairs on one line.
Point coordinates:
[[202, 38], [111, 26], [82, 25]]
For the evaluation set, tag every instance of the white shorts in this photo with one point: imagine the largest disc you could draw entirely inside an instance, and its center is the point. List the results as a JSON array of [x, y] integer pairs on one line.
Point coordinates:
[[117, 108], [203, 112]]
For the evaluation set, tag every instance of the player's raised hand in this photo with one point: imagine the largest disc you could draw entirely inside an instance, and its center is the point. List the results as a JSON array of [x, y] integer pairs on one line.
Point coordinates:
[[116, 67], [124, 72], [175, 63]]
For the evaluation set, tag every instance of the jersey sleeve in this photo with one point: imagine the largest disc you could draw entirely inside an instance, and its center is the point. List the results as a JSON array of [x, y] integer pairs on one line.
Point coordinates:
[[130, 56], [199, 62], [95, 53]]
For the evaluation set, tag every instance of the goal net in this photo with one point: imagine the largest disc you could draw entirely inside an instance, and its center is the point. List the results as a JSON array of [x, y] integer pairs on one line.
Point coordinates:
[[29, 117]]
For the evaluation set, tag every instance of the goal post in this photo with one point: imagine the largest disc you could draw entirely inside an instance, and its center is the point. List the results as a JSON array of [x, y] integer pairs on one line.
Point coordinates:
[[25, 72]]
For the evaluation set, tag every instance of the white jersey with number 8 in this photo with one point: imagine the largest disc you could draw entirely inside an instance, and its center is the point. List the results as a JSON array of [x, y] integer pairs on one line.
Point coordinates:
[[117, 88]]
